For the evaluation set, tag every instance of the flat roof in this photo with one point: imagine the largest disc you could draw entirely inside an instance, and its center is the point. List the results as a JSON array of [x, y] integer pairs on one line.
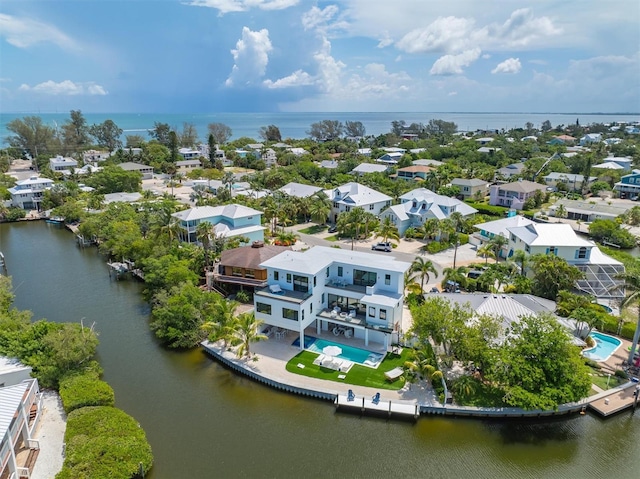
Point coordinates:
[[315, 259]]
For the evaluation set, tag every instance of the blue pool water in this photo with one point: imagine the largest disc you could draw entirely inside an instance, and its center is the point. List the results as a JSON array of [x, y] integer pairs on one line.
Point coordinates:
[[356, 355], [605, 346]]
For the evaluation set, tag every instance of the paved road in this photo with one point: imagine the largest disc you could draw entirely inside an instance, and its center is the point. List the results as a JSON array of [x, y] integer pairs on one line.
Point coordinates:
[[315, 240]]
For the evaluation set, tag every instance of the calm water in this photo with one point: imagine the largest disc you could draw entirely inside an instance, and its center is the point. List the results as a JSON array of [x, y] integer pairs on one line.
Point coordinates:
[[202, 421], [295, 125]]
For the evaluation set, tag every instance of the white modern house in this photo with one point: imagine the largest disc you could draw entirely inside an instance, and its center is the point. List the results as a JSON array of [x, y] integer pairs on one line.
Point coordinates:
[[94, 156], [27, 194], [419, 205], [61, 164], [13, 371], [602, 273], [228, 221], [362, 293], [354, 195], [572, 181], [189, 153], [20, 411]]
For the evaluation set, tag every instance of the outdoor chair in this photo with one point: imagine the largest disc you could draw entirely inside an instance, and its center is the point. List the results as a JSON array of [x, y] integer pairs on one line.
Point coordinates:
[[351, 396], [376, 399]]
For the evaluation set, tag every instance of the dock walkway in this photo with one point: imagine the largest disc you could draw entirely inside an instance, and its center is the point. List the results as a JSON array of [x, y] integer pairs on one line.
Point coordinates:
[[614, 400], [390, 408]]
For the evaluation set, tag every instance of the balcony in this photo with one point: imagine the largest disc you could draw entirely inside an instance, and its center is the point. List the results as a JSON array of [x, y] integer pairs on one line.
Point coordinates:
[[284, 295], [342, 285], [344, 319]]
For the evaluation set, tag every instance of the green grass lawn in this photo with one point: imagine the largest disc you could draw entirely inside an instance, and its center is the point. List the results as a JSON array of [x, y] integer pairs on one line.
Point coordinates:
[[358, 375], [311, 230], [332, 238], [600, 380]]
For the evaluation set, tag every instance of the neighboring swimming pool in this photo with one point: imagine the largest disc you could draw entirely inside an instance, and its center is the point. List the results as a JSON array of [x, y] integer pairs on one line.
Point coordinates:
[[356, 355], [604, 348]]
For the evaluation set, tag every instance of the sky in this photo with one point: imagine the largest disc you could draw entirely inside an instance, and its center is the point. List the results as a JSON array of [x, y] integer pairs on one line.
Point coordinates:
[[181, 56]]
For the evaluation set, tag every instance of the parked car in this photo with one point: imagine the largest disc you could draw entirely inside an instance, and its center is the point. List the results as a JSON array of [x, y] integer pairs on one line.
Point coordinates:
[[381, 247], [434, 290], [333, 229]]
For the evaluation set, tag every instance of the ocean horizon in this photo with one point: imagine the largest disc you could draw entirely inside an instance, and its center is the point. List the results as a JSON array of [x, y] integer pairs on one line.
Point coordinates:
[[294, 125]]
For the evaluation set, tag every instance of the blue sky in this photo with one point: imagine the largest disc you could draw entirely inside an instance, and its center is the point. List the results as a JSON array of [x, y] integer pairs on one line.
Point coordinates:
[[297, 55]]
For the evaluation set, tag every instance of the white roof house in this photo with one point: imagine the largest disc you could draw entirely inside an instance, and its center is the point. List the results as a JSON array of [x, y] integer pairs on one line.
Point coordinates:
[[189, 153], [62, 164], [323, 287], [609, 165], [13, 371], [354, 195], [570, 180], [499, 227], [27, 194], [364, 151], [228, 221], [329, 164], [602, 273], [299, 190], [427, 162], [366, 168], [421, 204]]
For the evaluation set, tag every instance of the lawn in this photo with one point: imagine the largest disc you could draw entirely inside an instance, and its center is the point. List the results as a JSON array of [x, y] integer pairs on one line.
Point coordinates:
[[332, 238], [358, 375], [600, 380], [312, 230]]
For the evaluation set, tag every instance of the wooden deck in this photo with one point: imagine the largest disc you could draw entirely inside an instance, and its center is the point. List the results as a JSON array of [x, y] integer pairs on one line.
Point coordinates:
[[620, 399], [367, 406]]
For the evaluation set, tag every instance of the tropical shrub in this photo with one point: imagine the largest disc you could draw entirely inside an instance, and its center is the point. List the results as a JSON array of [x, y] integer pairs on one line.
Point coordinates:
[[243, 297], [82, 390], [105, 442]]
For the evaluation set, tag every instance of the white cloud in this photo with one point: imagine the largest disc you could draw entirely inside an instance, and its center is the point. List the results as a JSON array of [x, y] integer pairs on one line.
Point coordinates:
[[66, 88], [324, 20], [453, 64], [229, 6], [297, 78], [522, 29], [510, 65], [486, 56], [453, 34], [452, 93], [250, 56], [25, 32], [445, 34], [329, 69]]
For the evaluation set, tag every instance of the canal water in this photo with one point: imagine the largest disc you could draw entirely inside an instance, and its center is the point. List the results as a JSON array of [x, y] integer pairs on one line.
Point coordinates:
[[203, 421]]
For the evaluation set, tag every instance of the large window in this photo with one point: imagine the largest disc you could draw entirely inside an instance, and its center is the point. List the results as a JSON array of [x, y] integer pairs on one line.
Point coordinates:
[[582, 253], [364, 278], [383, 314], [235, 271], [300, 283], [340, 271], [290, 314], [263, 308], [276, 275]]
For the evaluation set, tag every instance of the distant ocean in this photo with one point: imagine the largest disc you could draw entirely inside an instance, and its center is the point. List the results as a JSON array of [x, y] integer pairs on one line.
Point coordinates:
[[295, 125]]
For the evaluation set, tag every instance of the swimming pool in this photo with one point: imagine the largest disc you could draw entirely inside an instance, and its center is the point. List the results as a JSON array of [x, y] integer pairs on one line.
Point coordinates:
[[356, 355], [604, 348]]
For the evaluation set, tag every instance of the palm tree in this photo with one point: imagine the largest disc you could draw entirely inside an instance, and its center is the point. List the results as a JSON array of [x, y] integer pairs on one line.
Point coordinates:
[[387, 230], [455, 275], [498, 242], [410, 284], [561, 211], [203, 234], [320, 207], [422, 267], [486, 251], [228, 180], [221, 326], [430, 228], [245, 332], [632, 285], [521, 259]]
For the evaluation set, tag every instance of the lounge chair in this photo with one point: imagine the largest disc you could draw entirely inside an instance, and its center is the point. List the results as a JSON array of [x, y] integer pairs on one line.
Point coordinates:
[[318, 361], [376, 399], [275, 289], [351, 396], [394, 374]]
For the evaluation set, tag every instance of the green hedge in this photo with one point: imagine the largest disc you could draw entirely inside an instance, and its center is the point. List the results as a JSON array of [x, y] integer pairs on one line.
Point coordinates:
[[485, 209], [81, 390], [104, 442], [628, 330]]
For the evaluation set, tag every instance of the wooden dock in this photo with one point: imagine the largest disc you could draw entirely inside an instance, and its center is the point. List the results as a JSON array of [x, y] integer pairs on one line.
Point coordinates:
[[367, 406], [620, 399]]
